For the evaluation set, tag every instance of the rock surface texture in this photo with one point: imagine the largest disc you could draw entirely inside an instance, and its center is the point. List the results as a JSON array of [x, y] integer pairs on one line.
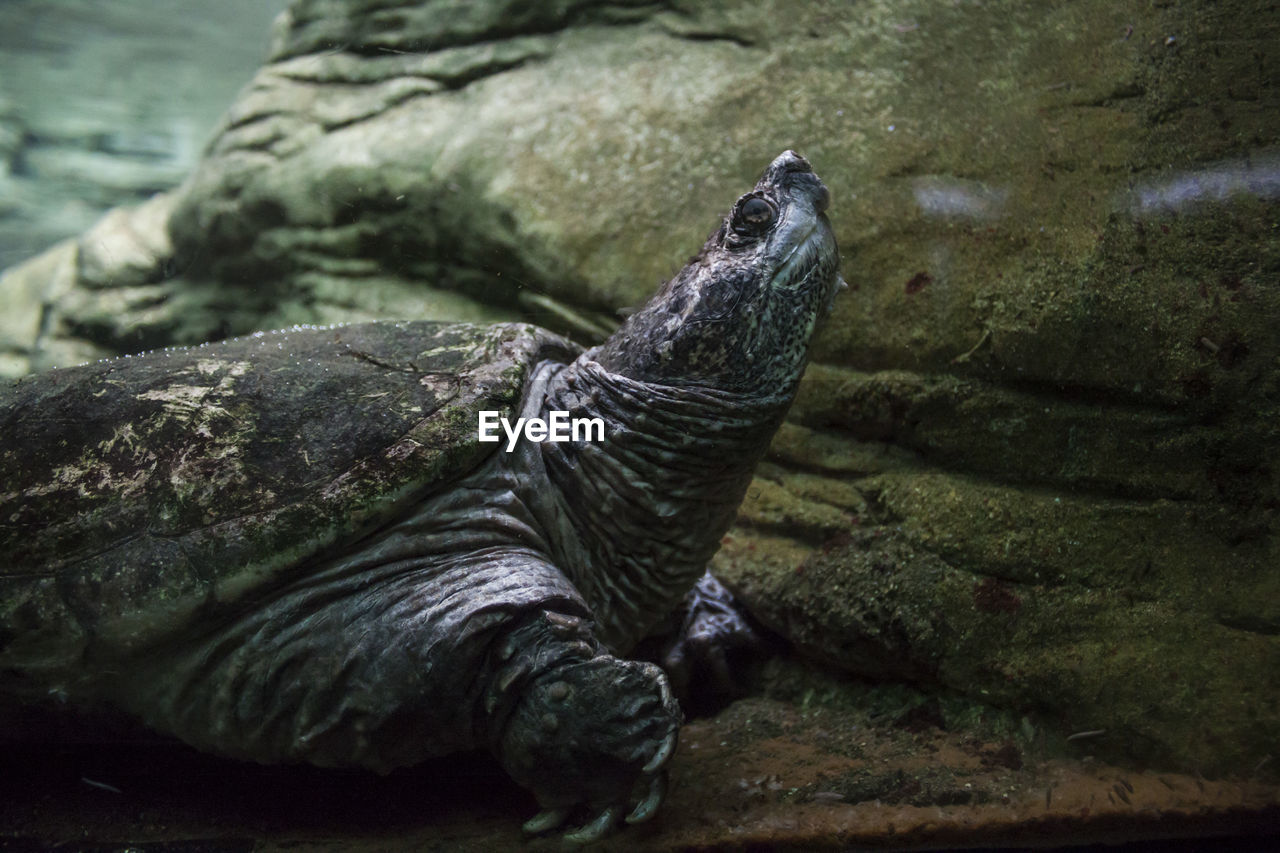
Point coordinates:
[[1032, 463]]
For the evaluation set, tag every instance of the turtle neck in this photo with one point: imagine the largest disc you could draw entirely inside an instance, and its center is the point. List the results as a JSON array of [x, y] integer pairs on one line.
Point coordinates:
[[633, 519]]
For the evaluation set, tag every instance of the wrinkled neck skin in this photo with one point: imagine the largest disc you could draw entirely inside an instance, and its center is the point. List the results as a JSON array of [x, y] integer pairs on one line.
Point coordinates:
[[634, 519]]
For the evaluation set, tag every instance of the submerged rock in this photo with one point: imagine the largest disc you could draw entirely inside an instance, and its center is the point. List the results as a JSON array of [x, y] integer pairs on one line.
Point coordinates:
[[106, 104], [1032, 464]]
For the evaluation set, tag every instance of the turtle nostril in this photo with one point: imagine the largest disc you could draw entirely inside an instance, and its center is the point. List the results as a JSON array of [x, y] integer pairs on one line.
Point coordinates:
[[790, 161], [786, 163]]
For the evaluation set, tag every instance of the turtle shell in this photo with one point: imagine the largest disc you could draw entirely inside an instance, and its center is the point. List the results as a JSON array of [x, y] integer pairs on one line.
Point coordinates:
[[142, 493]]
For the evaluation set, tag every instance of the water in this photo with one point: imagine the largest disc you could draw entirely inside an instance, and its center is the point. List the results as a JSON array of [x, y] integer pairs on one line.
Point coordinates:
[[108, 103]]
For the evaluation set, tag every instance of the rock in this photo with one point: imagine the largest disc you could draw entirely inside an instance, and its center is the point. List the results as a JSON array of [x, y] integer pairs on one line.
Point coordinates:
[[1032, 463], [108, 104]]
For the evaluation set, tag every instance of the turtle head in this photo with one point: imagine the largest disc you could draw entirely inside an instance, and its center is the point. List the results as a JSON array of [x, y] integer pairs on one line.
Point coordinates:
[[739, 316]]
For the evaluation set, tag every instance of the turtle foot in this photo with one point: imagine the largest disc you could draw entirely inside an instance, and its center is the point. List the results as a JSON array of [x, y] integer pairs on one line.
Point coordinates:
[[594, 734], [708, 658]]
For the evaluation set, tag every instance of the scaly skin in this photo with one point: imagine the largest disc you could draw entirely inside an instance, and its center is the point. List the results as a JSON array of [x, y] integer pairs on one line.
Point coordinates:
[[576, 725], [712, 636]]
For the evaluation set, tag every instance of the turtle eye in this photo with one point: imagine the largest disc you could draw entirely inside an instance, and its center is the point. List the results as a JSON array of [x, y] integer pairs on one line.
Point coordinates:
[[753, 215]]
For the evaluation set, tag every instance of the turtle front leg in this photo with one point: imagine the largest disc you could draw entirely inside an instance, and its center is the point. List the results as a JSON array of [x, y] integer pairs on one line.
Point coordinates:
[[579, 727]]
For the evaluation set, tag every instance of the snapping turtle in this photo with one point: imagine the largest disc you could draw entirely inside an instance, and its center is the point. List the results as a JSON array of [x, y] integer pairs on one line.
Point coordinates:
[[293, 546]]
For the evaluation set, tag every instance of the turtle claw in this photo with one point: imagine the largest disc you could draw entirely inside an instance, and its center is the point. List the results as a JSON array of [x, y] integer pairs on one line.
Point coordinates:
[[663, 752], [648, 807], [597, 829], [544, 820]]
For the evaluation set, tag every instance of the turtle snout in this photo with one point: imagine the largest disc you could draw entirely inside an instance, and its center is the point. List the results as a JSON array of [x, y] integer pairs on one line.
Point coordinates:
[[785, 165], [790, 161], [794, 175]]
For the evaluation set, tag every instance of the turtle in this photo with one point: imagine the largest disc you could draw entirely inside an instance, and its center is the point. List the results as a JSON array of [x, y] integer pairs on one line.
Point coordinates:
[[298, 547]]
